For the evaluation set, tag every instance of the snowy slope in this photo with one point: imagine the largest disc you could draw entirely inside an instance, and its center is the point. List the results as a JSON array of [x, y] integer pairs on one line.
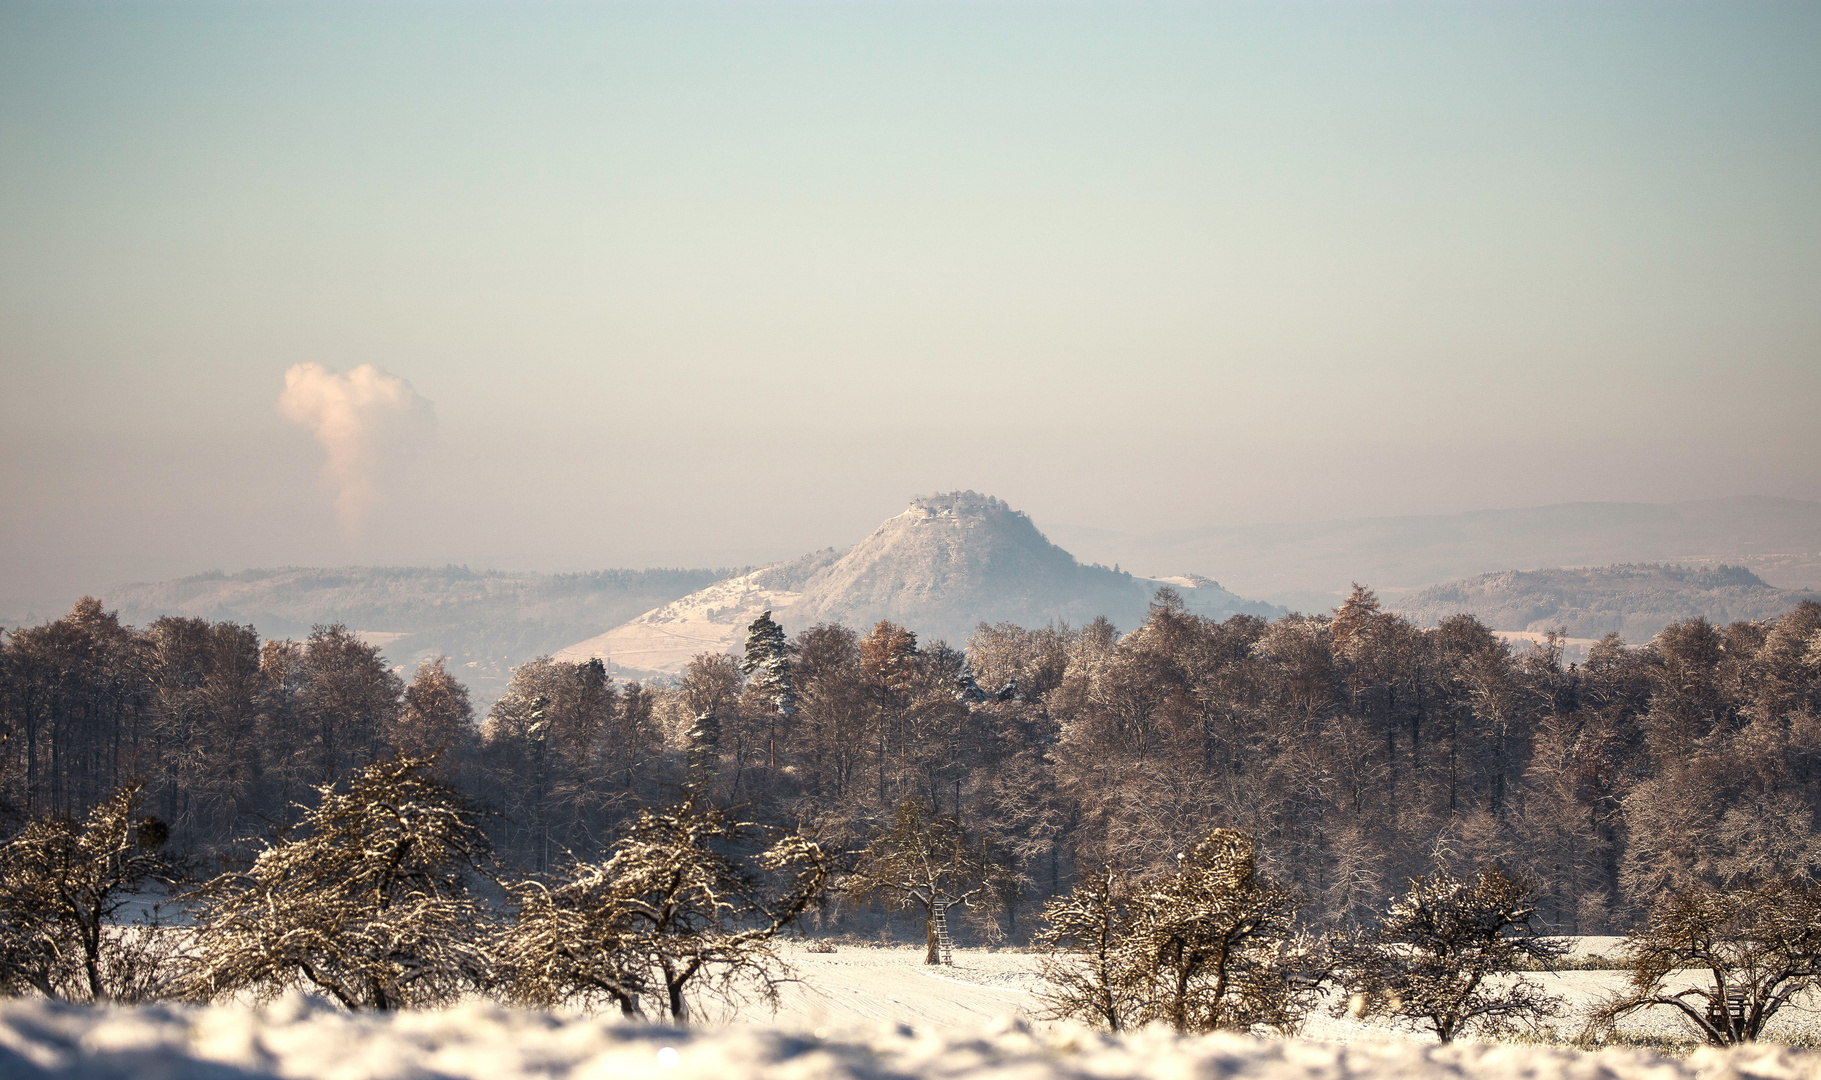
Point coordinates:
[[945, 565], [711, 620]]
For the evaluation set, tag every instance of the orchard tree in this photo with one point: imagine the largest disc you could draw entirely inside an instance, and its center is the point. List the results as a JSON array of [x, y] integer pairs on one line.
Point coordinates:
[[1444, 955], [370, 905], [668, 915], [1210, 945], [1726, 960], [62, 888], [1216, 941], [1087, 953], [922, 861]]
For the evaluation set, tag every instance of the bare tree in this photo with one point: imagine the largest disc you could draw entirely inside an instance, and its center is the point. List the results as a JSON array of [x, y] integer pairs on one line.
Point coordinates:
[[1087, 952], [62, 887], [1431, 961], [666, 915], [1207, 946], [1757, 948], [437, 718], [1218, 943], [923, 860], [370, 905]]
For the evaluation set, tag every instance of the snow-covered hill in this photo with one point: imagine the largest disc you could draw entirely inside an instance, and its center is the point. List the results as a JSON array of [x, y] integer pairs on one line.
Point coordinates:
[[946, 564], [1633, 601]]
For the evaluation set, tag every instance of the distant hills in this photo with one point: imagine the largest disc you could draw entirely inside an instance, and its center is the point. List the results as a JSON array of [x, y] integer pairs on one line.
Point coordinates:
[[946, 564], [1631, 600], [951, 561], [484, 621], [1310, 565]]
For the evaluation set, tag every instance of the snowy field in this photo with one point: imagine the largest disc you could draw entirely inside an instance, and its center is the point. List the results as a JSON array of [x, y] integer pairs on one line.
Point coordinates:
[[861, 1013], [862, 985]]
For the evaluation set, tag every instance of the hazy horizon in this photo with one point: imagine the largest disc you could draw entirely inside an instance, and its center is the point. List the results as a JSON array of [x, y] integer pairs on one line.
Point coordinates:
[[699, 285]]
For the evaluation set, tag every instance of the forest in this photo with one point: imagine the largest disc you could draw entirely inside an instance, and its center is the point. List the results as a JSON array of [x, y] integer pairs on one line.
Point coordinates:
[[1356, 751]]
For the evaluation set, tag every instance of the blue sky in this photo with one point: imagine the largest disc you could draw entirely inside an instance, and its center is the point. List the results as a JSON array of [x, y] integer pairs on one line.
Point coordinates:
[[695, 283]]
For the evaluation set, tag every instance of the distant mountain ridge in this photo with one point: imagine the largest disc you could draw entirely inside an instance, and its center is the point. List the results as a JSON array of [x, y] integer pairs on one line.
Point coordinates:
[[1310, 565], [946, 564], [1633, 600], [484, 621]]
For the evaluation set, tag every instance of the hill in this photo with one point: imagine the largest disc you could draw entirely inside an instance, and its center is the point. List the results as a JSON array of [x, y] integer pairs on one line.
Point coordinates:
[[1632, 600], [945, 565], [484, 621], [1310, 565]]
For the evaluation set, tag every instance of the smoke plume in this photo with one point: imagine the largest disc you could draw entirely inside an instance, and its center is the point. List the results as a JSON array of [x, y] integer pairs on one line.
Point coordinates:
[[363, 419]]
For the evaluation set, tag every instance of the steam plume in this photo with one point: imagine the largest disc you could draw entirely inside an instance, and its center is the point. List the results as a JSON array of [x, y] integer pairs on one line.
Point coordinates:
[[360, 418]]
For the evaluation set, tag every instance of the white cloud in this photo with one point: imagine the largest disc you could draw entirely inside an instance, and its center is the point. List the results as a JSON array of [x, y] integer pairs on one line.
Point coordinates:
[[361, 418]]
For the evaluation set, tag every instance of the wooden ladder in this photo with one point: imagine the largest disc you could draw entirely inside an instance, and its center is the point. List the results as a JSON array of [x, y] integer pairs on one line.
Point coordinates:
[[945, 945]]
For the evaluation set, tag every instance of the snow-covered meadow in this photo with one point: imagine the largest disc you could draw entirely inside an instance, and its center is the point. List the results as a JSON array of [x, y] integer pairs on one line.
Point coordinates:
[[859, 1012]]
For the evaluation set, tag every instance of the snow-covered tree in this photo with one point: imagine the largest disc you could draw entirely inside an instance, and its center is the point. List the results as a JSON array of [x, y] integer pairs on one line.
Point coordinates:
[[767, 664], [1087, 955], [1217, 943], [62, 886], [1443, 956], [1755, 949], [923, 860], [370, 905], [669, 915], [437, 718], [1209, 945]]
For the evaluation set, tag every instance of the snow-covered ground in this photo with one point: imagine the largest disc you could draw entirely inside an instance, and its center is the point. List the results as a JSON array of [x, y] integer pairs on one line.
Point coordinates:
[[860, 1013], [862, 985], [301, 1037]]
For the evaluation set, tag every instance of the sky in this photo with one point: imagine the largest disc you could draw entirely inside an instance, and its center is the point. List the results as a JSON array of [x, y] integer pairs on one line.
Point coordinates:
[[573, 286]]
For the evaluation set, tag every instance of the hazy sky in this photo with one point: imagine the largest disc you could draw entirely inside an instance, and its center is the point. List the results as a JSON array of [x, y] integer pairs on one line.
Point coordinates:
[[703, 284]]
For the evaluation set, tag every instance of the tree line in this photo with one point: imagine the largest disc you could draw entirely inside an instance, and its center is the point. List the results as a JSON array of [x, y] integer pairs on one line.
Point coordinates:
[[1359, 751]]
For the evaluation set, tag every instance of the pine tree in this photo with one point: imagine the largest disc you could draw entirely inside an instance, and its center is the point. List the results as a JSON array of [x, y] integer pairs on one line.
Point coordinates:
[[704, 750], [767, 664], [767, 668]]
